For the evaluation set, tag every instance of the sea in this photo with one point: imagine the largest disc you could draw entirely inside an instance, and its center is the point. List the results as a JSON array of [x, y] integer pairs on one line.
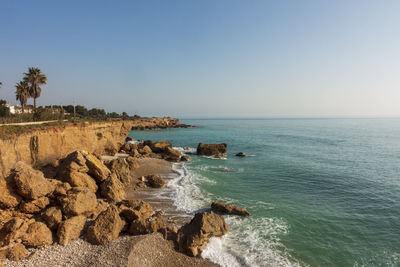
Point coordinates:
[[321, 192]]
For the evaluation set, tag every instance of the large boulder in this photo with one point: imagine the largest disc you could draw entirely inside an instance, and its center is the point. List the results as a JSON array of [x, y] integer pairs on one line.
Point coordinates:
[[73, 169], [70, 229], [229, 209], [160, 146], [14, 252], [155, 181], [79, 200], [100, 207], [97, 169], [112, 188], [8, 195], [52, 217], [38, 235], [123, 168], [30, 183], [193, 236], [34, 206], [216, 150], [106, 227], [152, 224], [131, 210], [14, 229], [171, 154]]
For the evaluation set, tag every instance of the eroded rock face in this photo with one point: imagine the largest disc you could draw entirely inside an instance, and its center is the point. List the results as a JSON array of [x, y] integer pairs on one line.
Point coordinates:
[[8, 195], [171, 154], [70, 229], [192, 237], [13, 230], [14, 252], [155, 181], [73, 169], [229, 209], [52, 217], [216, 150], [112, 188], [122, 168], [106, 227], [79, 200], [97, 169], [160, 146], [34, 206], [152, 224], [38, 235], [31, 183]]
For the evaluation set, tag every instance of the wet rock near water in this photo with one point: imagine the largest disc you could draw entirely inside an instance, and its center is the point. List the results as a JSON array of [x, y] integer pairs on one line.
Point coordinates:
[[192, 237], [228, 209], [215, 150], [241, 155]]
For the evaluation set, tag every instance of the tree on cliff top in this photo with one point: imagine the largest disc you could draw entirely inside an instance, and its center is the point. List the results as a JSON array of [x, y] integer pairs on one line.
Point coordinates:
[[35, 78], [22, 93]]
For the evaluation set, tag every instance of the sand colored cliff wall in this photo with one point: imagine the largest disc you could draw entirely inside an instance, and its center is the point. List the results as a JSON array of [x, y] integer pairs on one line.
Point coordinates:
[[39, 147]]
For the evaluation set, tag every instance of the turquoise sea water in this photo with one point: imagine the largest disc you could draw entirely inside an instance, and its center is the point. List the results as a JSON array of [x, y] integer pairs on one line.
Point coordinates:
[[322, 192]]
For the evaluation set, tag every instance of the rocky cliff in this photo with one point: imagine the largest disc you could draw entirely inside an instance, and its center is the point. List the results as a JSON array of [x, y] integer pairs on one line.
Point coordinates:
[[39, 147], [157, 123]]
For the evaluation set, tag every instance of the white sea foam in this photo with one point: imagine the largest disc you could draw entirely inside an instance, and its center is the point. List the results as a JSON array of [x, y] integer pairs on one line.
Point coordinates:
[[249, 242], [186, 150]]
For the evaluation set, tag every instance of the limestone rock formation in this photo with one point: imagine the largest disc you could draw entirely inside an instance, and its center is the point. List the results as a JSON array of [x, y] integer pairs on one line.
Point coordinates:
[[160, 146], [123, 168], [79, 200], [155, 181], [31, 183], [14, 252], [96, 167], [216, 150], [14, 229], [192, 237], [106, 227], [112, 188], [44, 146], [71, 229], [73, 169], [34, 206], [152, 224], [8, 196], [52, 217], [37, 235], [171, 154], [229, 209]]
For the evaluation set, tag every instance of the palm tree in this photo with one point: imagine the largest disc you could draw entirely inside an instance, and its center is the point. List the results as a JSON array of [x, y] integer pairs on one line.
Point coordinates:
[[35, 78], [1, 84], [22, 93]]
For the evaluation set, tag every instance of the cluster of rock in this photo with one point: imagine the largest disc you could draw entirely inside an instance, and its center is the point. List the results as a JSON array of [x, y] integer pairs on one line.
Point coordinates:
[[158, 123], [160, 149], [82, 196]]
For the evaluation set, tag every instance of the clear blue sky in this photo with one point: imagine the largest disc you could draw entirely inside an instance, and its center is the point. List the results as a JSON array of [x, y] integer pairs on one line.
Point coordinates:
[[208, 58]]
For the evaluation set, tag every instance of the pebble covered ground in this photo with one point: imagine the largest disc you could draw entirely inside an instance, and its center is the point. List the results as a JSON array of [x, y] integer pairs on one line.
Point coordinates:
[[145, 250]]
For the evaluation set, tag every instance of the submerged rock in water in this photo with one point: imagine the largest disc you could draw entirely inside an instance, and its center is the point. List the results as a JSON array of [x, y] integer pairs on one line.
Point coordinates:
[[193, 236], [241, 154], [229, 209], [216, 150]]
